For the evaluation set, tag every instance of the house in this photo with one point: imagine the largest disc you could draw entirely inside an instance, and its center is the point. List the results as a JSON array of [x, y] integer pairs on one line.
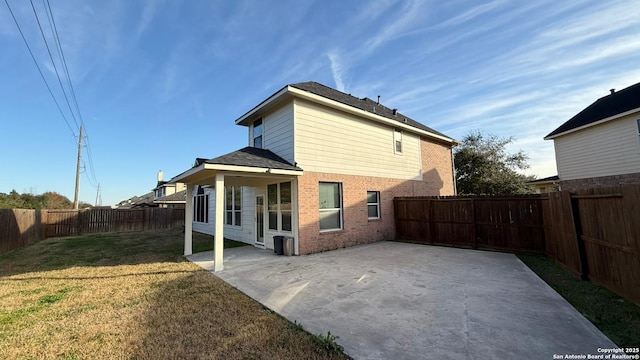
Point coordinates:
[[167, 194], [546, 185], [164, 195], [600, 146], [321, 166], [136, 202]]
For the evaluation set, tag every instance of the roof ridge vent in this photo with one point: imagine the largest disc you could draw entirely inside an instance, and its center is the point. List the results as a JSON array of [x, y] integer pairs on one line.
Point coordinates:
[[613, 91], [394, 111]]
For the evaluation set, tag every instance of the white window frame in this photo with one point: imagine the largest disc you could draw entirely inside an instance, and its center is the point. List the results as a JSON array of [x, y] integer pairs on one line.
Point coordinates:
[[397, 140], [261, 136], [340, 209], [201, 215], [279, 211], [236, 214], [376, 204]]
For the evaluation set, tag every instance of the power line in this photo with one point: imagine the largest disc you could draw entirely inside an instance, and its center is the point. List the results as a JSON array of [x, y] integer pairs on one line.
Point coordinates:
[[55, 68], [65, 70], [39, 70], [64, 60], [56, 36]]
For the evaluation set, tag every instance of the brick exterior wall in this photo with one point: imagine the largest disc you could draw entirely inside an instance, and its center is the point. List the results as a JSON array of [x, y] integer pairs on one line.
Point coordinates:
[[437, 167], [602, 181], [357, 228]]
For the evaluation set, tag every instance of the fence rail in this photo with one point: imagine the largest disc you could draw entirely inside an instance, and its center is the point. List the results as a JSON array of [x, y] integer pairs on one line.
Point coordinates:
[[20, 227], [594, 233]]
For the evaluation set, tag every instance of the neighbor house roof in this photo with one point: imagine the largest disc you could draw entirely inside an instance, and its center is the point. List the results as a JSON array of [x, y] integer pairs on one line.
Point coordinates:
[[549, 179], [180, 196], [320, 93], [612, 106]]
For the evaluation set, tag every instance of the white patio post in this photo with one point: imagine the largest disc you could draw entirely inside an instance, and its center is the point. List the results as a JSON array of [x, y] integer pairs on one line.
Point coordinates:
[[219, 231], [188, 222]]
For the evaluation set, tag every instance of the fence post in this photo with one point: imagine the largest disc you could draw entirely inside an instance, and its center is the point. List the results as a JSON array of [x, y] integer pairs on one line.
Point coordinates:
[[575, 210], [474, 231]]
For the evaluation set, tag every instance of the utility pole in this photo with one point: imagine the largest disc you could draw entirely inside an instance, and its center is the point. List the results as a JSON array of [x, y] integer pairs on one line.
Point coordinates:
[[97, 195], [75, 197]]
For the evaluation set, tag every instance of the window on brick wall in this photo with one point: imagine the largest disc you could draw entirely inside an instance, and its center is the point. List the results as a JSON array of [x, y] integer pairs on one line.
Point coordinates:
[[373, 204], [330, 206]]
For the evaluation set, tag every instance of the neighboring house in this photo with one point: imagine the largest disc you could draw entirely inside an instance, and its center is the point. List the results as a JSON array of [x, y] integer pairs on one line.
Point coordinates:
[[177, 200], [600, 146], [164, 195], [546, 185], [167, 194], [136, 202], [321, 167]]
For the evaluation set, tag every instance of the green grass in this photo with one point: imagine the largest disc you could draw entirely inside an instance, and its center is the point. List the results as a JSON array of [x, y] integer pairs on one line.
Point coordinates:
[[135, 296], [616, 317]]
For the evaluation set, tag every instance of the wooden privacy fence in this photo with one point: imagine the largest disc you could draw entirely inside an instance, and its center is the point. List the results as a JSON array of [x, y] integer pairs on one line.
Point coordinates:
[[512, 223], [20, 227], [594, 233]]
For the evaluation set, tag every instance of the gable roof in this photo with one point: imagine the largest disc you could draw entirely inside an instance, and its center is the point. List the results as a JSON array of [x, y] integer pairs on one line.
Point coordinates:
[[317, 92], [612, 105], [365, 104]]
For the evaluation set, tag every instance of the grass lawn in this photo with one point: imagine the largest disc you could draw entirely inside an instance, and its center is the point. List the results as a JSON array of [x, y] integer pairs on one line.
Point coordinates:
[[615, 317], [133, 295]]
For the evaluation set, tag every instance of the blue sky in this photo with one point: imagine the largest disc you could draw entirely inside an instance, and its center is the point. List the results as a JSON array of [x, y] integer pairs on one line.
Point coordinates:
[[159, 83]]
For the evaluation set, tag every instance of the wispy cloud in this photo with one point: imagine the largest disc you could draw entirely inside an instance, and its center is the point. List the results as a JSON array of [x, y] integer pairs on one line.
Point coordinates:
[[147, 15], [337, 69], [469, 14], [400, 22]]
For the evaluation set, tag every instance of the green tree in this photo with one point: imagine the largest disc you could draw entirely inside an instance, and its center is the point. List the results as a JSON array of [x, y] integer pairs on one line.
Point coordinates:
[[483, 167], [48, 200]]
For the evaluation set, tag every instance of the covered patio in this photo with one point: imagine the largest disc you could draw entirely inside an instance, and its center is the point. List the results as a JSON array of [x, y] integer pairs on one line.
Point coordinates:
[[250, 168]]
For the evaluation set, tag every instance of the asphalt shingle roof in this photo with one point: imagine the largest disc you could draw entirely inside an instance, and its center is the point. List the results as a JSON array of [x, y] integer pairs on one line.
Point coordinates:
[[365, 104], [179, 196], [253, 157], [607, 106], [543, 180]]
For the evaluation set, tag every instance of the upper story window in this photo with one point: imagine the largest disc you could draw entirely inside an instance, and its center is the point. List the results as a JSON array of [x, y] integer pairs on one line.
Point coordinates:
[[397, 141], [257, 133]]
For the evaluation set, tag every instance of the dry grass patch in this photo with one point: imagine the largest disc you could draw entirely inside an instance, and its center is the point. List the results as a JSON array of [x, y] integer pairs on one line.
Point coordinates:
[[132, 295]]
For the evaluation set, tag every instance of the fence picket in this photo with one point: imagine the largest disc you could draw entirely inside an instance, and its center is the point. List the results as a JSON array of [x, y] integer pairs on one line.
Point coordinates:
[[19, 227]]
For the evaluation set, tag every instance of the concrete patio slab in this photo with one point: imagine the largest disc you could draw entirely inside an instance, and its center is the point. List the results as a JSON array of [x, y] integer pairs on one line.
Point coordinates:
[[393, 300]]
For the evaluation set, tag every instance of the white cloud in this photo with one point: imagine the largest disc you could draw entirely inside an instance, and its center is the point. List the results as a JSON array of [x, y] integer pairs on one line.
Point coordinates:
[[337, 69], [469, 14], [147, 15]]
